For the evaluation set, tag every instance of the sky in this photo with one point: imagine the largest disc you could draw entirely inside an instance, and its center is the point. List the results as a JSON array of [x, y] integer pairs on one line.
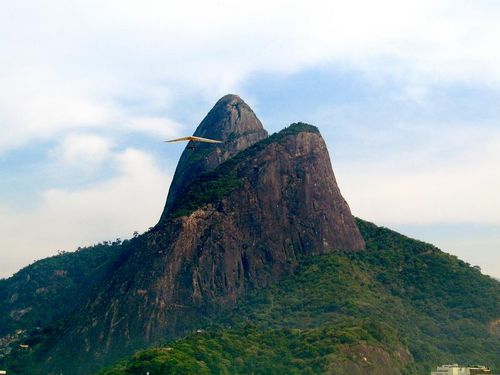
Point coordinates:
[[405, 93]]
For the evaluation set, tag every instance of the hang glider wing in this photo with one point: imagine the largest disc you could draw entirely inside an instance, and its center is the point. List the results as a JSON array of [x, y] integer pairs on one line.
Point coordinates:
[[194, 139], [179, 139], [199, 139]]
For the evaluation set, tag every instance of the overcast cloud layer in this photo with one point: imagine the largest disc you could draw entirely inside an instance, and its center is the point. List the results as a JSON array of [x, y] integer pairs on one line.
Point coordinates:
[[89, 89]]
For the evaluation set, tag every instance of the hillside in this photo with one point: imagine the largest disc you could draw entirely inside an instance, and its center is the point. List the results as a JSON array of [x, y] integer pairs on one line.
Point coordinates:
[[401, 304], [257, 248], [219, 240], [47, 290], [241, 215]]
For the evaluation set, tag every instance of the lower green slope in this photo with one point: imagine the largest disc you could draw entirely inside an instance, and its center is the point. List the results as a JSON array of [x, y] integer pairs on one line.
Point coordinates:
[[35, 301], [249, 350], [400, 307], [49, 288]]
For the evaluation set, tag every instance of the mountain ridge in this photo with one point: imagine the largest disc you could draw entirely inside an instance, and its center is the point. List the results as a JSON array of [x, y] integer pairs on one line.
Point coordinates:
[[243, 221], [254, 214]]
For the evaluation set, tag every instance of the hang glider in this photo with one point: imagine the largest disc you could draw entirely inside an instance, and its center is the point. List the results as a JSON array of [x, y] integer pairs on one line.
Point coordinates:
[[194, 139]]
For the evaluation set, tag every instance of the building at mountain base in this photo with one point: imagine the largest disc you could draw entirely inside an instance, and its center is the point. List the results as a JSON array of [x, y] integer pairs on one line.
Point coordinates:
[[455, 369]]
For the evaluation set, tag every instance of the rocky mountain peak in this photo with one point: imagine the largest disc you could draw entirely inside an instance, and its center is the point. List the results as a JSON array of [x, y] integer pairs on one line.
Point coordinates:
[[230, 116], [240, 226], [232, 121], [238, 217]]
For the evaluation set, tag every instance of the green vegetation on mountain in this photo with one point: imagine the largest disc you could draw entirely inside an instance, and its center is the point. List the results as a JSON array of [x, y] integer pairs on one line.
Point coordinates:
[[401, 303], [399, 307], [247, 350], [38, 299], [48, 289], [211, 187]]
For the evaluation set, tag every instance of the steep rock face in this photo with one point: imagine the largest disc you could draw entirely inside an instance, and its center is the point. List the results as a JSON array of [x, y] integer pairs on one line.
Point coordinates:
[[230, 120], [286, 204]]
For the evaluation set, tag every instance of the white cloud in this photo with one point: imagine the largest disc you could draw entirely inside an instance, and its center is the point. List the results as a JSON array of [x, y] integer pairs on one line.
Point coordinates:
[[78, 149], [156, 126], [426, 184], [70, 65], [38, 104], [66, 218]]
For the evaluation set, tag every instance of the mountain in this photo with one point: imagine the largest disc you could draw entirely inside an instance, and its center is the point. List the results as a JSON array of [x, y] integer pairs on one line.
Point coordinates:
[[238, 218], [257, 245], [231, 120], [45, 291], [402, 306]]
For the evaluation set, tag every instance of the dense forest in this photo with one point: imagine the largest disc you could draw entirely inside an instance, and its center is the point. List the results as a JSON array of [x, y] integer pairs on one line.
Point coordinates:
[[45, 290], [401, 304], [37, 299]]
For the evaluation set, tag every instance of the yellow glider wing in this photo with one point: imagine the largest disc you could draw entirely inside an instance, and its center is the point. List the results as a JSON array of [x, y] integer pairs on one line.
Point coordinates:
[[194, 139]]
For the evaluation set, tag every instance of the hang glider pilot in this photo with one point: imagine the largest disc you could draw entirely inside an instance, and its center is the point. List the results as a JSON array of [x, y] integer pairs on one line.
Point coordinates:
[[192, 138]]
